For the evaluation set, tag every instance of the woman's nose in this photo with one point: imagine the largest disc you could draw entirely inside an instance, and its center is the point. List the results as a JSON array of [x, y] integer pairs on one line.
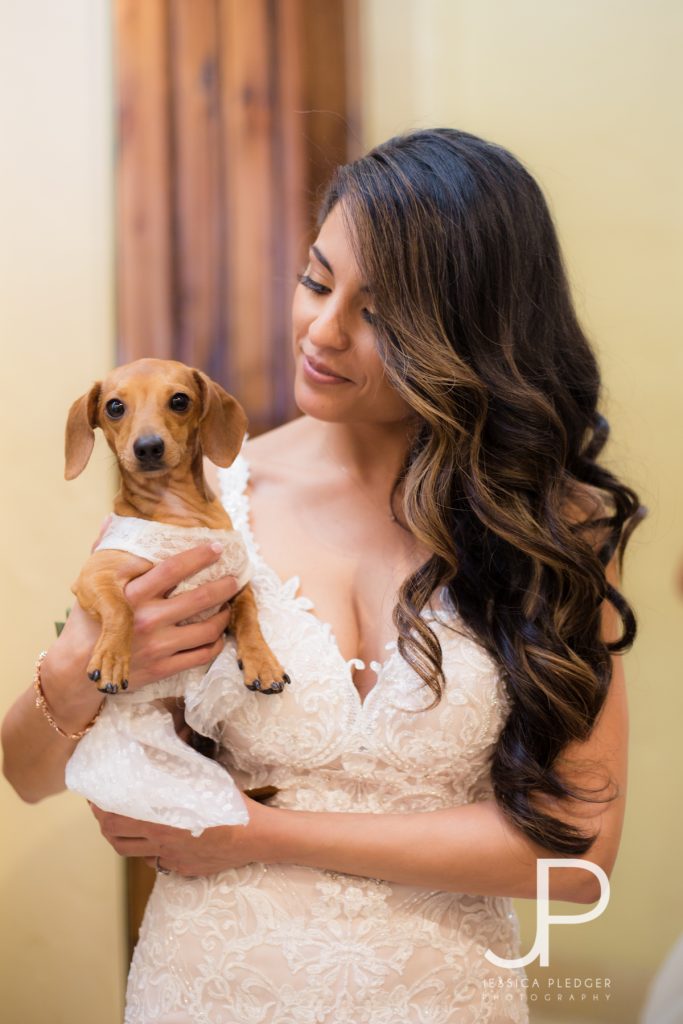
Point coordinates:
[[328, 330]]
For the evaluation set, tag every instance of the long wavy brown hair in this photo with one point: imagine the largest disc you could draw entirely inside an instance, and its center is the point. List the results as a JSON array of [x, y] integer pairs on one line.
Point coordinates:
[[479, 335]]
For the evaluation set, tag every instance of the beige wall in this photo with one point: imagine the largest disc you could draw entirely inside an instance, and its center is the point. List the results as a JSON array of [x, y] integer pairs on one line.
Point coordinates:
[[588, 95], [61, 953]]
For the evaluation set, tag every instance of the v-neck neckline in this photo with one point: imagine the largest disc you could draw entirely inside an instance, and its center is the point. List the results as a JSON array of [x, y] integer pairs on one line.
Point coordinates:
[[297, 598]]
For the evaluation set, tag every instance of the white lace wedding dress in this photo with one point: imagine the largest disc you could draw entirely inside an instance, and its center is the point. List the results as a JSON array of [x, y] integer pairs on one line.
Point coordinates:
[[295, 945]]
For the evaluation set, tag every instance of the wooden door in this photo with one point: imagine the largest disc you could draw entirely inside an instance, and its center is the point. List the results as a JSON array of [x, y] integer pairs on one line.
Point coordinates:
[[231, 115]]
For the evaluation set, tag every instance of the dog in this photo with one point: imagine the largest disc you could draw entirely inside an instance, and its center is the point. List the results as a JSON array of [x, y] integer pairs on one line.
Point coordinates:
[[160, 418]]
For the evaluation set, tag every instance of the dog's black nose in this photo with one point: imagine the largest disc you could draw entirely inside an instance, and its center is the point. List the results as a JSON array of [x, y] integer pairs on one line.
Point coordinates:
[[149, 449]]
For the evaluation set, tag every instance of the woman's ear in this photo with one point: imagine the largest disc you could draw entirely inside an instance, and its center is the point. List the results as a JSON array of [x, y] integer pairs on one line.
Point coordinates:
[[80, 431], [223, 422]]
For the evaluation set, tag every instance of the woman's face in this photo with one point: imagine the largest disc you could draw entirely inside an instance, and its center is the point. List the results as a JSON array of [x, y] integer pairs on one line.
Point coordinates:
[[339, 374]]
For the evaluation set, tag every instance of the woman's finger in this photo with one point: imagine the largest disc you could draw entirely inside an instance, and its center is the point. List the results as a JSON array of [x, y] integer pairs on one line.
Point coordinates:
[[179, 639], [170, 611], [132, 847], [119, 826], [167, 574], [188, 659], [196, 634]]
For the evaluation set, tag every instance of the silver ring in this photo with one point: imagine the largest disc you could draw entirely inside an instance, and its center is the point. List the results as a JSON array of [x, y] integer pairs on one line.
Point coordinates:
[[159, 869]]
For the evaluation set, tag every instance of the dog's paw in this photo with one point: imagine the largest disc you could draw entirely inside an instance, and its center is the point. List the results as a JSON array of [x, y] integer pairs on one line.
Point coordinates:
[[109, 667], [264, 674]]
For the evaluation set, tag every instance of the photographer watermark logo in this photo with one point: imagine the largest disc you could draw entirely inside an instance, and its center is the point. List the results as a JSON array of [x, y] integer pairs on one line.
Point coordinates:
[[544, 918]]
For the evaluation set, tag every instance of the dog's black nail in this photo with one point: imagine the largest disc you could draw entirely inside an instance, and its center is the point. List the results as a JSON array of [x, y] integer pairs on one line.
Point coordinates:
[[240, 664], [124, 684], [111, 688], [286, 679], [95, 676], [256, 685]]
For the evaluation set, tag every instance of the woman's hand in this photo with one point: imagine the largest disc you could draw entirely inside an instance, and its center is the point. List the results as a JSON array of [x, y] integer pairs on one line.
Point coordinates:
[[177, 850], [160, 646], [35, 755]]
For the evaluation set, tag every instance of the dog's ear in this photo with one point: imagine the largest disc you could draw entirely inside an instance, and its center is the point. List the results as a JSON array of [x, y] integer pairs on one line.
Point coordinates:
[[223, 421], [80, 431]]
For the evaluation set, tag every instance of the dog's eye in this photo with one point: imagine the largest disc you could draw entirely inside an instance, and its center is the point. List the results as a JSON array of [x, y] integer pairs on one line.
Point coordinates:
[[179, 402], [115, 409]]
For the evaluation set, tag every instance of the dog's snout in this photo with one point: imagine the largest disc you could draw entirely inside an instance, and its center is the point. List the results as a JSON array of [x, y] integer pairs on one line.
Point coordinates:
[[149, 449]]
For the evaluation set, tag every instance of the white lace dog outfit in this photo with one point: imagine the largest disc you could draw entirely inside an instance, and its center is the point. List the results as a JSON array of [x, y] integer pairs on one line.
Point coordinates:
[[132, 762]]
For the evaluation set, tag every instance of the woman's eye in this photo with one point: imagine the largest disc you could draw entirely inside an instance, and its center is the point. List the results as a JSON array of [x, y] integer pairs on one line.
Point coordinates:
[[369, 317], [314, 286], [179, 402], [115, 408]]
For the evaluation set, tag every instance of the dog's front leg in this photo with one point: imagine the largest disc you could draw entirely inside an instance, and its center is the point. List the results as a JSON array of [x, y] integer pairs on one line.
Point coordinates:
[[100, 592], [262, 670]]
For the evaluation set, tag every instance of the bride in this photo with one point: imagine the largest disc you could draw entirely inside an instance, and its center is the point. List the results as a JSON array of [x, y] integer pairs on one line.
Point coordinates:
[[435, 551]]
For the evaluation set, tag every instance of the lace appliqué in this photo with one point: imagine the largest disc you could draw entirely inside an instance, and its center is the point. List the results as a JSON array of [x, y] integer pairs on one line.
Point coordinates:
[[284, 944]]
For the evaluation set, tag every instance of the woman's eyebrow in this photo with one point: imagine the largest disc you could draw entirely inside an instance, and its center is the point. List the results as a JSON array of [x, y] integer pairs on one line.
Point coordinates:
[[326, 264], [321, 259]]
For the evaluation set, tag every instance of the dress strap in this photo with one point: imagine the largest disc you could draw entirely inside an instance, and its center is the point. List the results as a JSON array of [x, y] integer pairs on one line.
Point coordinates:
[[232, 481]]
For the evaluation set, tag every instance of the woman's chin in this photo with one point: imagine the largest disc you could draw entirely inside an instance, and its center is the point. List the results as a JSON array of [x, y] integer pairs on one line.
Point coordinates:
[[325, 406]]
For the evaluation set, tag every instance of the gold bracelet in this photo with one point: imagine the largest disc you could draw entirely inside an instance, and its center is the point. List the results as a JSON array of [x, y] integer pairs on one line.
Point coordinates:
[[41, 703]]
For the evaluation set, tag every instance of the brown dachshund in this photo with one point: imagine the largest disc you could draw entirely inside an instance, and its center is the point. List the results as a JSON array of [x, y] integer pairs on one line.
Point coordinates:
[[159, 418]]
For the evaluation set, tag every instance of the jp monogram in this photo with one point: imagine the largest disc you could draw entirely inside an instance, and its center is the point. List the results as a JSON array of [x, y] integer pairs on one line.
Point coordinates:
[[544, 918]]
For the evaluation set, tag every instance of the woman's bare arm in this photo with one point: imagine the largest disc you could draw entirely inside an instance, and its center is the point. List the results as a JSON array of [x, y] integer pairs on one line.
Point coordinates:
[[35, 754], [473, 848]]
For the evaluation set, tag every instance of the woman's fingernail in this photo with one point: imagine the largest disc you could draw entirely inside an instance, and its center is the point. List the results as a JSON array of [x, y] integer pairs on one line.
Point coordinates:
[[217, 547]]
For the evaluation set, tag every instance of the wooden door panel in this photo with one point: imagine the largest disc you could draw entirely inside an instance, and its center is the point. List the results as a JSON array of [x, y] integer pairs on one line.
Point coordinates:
[[197, 166], [248, 106], [143, 180], [231, 115]]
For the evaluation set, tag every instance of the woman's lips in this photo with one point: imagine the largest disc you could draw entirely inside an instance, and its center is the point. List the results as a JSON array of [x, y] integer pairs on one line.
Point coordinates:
[[315, 373]]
